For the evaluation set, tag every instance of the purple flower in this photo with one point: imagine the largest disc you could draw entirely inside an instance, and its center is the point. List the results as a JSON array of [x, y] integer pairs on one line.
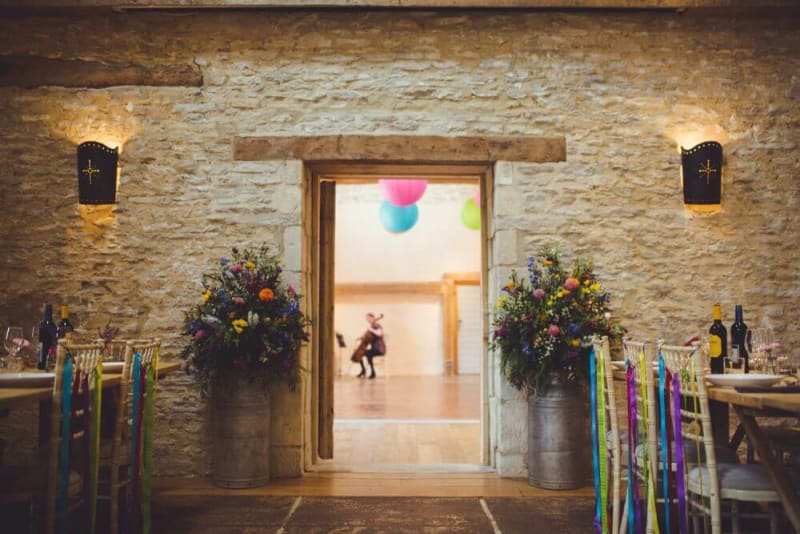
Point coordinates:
[[224, 261], [539, 293], [553, 330], [500, 332]]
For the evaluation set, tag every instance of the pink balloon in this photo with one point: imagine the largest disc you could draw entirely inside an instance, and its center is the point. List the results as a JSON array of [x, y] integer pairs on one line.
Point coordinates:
[[477, 198], [402, 192]]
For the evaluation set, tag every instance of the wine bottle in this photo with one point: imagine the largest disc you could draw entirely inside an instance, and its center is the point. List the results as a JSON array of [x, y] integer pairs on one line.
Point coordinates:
[[718, 342], [65, 328], [47, 336], [739, 337]]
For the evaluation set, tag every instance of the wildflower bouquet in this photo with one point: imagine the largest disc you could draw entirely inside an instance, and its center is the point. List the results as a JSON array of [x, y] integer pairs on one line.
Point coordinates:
[[247, 322], [544, 323]]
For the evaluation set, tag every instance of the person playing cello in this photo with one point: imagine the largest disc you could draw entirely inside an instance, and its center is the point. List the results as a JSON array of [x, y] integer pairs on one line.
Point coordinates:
[[371, 345]]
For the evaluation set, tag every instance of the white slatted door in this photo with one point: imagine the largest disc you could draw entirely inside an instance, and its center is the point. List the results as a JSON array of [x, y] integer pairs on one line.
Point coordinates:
[[469, 329]]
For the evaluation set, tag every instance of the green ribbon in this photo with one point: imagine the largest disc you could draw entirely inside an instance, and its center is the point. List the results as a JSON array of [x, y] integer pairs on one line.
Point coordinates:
[[147, 461], [66, 417], [94, 454], [602, 451]]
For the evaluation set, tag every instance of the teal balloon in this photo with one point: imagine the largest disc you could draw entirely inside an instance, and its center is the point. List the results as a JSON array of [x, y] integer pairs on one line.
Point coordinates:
[[398, 219], [471, 214]]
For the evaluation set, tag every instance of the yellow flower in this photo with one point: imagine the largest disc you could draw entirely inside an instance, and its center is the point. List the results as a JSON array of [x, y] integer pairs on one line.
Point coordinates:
[[206, 295], [249, 265], [596, 287], [239, 325], [575, 343], [560, 293], [501, 301]]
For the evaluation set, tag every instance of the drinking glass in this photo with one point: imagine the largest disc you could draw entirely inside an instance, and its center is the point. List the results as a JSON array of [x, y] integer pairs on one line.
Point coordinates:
[[13, 343]]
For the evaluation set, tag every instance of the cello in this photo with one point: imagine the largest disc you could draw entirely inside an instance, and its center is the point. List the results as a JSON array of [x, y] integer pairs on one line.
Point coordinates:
[[366, 340]]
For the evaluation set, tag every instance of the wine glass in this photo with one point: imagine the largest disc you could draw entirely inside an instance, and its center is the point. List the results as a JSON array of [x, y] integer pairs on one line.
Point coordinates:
[[13, 343]]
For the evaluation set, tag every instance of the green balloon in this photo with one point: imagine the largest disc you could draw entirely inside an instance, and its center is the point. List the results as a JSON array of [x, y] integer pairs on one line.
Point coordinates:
[[471, 215]]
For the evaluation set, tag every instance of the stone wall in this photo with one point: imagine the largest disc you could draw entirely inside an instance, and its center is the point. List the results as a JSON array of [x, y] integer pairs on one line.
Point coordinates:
[[625, 88]]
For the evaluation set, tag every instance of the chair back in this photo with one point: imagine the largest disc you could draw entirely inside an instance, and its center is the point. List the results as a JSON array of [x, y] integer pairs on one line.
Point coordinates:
[[692, 428], [608, 441], [642, 433], [74, 433]]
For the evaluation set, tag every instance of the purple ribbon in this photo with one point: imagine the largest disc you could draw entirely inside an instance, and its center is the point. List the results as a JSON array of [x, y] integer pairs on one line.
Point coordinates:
[[683, 519], [635, 512]]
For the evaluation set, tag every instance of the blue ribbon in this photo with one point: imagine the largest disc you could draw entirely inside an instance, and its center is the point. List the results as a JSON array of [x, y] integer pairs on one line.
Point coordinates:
[[66, 417], [137, 359], [665, 467], [595, 442]]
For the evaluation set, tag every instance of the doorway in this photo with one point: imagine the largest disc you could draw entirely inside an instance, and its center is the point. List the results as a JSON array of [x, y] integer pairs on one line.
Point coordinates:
[[340, 403]]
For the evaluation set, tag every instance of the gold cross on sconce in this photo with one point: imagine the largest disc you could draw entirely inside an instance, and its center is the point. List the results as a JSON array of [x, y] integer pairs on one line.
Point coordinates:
[[707, 170], [90, 171]]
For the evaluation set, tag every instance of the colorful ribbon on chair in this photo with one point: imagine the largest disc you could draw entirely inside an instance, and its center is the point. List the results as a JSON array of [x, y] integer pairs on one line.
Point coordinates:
[[665, 463], [680, 481], [66, 420], [649, 474], [634, 505], [147, 464], [134, 504], [595, 442], [94, 453], [602, 442]]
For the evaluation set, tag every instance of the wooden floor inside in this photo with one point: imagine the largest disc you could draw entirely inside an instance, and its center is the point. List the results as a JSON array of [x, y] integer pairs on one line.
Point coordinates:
[[398, 422]]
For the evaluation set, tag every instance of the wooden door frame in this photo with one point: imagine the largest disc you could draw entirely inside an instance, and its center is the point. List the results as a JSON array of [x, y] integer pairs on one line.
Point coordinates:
[[364, 172]]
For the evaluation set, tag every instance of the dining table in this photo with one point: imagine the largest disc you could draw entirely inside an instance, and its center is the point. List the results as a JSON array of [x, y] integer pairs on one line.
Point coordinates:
[[750, 406], [16, 397]]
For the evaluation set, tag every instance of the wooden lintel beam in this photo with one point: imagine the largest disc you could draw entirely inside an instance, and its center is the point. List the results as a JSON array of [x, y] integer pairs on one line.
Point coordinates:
[[401, 148], [37, 71]]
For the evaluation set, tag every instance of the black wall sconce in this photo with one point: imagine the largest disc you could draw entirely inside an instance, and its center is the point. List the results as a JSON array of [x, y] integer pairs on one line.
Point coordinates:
[[701, 170], [97, 173]]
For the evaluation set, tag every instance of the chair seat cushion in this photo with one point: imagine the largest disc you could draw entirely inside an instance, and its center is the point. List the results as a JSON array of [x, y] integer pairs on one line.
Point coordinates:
[[739, 482]]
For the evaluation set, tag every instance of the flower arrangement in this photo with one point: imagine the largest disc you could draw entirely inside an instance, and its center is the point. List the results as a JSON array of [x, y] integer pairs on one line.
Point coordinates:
[[543, 324], [247, 322]]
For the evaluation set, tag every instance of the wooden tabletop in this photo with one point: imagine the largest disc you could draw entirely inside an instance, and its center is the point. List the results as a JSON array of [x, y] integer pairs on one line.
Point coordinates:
[[787, 402], [14, 396]]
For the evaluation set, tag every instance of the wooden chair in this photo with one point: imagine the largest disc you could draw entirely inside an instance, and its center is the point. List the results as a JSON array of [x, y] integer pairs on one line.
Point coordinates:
[[126, 457], [708, 483], [118, 453], [639, 357], [71, 475], [615, 443]]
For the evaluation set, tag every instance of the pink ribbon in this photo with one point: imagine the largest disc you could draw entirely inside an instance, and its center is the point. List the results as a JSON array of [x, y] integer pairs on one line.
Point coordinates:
[[683, 519]]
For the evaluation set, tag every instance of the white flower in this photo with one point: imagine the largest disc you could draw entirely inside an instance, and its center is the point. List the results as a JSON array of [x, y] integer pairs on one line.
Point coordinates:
[[252, 318], [607, 315]]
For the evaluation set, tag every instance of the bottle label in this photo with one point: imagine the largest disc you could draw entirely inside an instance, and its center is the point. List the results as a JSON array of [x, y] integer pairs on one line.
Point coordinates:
[[714, 346]]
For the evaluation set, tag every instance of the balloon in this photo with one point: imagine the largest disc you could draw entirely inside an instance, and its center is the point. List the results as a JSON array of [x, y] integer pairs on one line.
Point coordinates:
[[402, 192], [398, 219], [471, 214], [477, 197]]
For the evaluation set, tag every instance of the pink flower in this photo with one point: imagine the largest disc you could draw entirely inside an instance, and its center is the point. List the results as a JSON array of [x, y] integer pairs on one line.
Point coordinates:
[[539, 293], [291, 290], [553, 330], [236, 268], [238, 300], [200, 334], [572, 283]]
